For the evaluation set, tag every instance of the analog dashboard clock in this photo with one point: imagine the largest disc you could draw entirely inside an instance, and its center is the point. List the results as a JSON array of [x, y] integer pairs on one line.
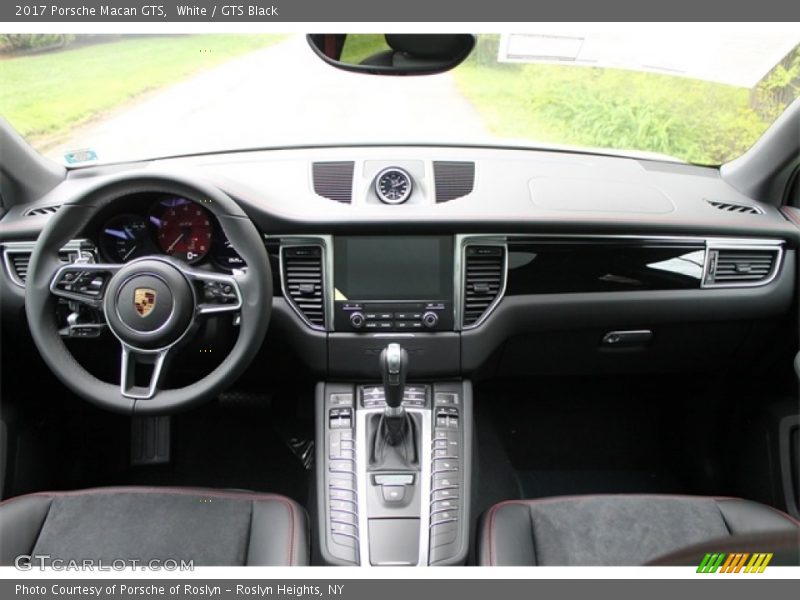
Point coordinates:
[[393, 185]]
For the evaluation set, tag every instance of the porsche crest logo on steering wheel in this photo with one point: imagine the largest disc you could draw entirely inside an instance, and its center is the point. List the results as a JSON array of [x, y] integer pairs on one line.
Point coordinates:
[[144, 300]]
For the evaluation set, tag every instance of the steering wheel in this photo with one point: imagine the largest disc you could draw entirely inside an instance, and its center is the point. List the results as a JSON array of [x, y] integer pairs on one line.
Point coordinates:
[[152, 304]]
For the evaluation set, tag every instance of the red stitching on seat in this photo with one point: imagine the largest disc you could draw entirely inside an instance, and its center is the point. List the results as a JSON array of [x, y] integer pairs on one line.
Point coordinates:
[[155, 490], [291, 532], [492, 514], [785, 515], [181, 491]]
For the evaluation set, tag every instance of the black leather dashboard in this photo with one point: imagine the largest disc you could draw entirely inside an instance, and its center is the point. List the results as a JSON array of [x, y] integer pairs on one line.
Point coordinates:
[[592, 244]]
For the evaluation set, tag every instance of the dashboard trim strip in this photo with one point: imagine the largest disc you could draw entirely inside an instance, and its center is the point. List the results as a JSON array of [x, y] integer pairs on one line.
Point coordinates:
[[504, 240], [709, 243]]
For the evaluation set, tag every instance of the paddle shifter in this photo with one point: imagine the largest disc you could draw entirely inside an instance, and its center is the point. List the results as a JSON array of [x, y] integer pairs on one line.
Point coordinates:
[[394, 366]]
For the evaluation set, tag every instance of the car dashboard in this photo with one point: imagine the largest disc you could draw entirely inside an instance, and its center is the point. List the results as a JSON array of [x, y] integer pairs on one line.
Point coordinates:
[[462, 264], [478, 257]]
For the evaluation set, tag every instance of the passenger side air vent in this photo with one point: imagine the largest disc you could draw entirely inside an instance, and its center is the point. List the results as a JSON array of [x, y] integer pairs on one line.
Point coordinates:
[[42, 210], [303, 282], [740, 267], [484, 280], [744, 209], [453, 179], [334, 180]]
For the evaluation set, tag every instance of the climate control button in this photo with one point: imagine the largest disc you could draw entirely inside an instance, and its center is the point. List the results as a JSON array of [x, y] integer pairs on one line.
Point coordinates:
[[430, 319], [357, 319]]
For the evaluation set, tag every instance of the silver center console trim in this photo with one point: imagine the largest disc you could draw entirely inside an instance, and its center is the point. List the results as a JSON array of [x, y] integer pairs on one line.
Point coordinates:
[[362, 480]]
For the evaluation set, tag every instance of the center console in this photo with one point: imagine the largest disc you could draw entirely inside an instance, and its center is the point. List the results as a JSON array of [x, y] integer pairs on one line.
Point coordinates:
[[394, 438], [394, 501]]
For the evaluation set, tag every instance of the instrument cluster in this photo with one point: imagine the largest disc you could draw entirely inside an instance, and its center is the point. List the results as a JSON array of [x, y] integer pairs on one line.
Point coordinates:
[[174, 226]]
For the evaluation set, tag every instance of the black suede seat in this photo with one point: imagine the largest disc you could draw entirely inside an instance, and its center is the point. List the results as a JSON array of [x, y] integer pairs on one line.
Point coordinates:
[[620, 530], [209, 527]]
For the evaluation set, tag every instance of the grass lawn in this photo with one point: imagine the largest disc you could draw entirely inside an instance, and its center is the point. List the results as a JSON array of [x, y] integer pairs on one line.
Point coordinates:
[[48, 94], [697, 121]]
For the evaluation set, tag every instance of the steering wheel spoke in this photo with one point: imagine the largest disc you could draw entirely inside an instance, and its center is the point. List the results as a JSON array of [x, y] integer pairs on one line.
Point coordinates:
[[83, 282], [140, 366], [216, 293]]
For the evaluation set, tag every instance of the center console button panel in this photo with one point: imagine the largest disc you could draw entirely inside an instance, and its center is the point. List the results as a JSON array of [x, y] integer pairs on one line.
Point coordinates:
[[383, 515], [421, 315], [447, 477], [372, 396], [342, 496]]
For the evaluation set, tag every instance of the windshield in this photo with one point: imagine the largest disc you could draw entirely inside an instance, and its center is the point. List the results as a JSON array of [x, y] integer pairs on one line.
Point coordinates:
[[82, 99]]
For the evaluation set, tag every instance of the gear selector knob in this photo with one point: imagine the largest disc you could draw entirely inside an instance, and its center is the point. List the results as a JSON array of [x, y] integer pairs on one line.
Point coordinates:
[[394, 366]]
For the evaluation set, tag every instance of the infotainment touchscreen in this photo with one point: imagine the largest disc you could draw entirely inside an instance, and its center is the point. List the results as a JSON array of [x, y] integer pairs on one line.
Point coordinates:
[[390, 268]]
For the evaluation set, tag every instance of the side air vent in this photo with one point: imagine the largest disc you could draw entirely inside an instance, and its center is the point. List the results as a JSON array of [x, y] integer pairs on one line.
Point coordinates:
[[42, 210], [303, 282], [740, 267], [18, 266], [334, 180], [453, 179], [17, 260], [744, 209], [484, 280]]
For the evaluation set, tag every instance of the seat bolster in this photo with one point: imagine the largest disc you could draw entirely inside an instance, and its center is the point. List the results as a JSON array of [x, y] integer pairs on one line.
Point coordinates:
[[746, 517], [21, 521], [278, 533], [621, 529], [509, 522]]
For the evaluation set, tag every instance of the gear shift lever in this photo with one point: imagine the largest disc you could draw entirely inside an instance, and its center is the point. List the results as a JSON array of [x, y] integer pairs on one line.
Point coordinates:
[[394, 366]]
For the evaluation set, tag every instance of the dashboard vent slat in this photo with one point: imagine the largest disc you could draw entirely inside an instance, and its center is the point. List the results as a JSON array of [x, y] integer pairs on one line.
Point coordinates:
[[731, 207], [18, 261], [334, 180], [42, 210], [484, 278], [453, 179], [743, 267], [303, 282], [19, 265]]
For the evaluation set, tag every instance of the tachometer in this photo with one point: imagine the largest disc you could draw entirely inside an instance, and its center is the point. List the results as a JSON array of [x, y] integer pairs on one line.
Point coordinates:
[[184, 229], [126, 237]]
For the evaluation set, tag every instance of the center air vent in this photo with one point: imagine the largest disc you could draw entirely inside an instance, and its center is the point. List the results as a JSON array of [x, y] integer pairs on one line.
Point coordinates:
[[453, 179], [740, 267], [334, 180], [303, 282], [744, 209], [484, 279]]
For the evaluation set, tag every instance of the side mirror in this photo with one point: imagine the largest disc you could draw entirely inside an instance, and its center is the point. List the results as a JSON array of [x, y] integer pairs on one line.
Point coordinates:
[[393, 53]]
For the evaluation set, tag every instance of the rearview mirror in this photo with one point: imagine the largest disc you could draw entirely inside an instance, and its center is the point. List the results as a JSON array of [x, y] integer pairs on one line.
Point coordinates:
[[393, 53]]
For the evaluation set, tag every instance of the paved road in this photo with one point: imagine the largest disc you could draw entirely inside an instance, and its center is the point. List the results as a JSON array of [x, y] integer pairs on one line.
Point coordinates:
[[280, 95]]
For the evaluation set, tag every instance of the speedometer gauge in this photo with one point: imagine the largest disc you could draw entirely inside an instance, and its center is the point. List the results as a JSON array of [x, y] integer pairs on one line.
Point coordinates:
[[393, 185], [184, 229], [126, 237]]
